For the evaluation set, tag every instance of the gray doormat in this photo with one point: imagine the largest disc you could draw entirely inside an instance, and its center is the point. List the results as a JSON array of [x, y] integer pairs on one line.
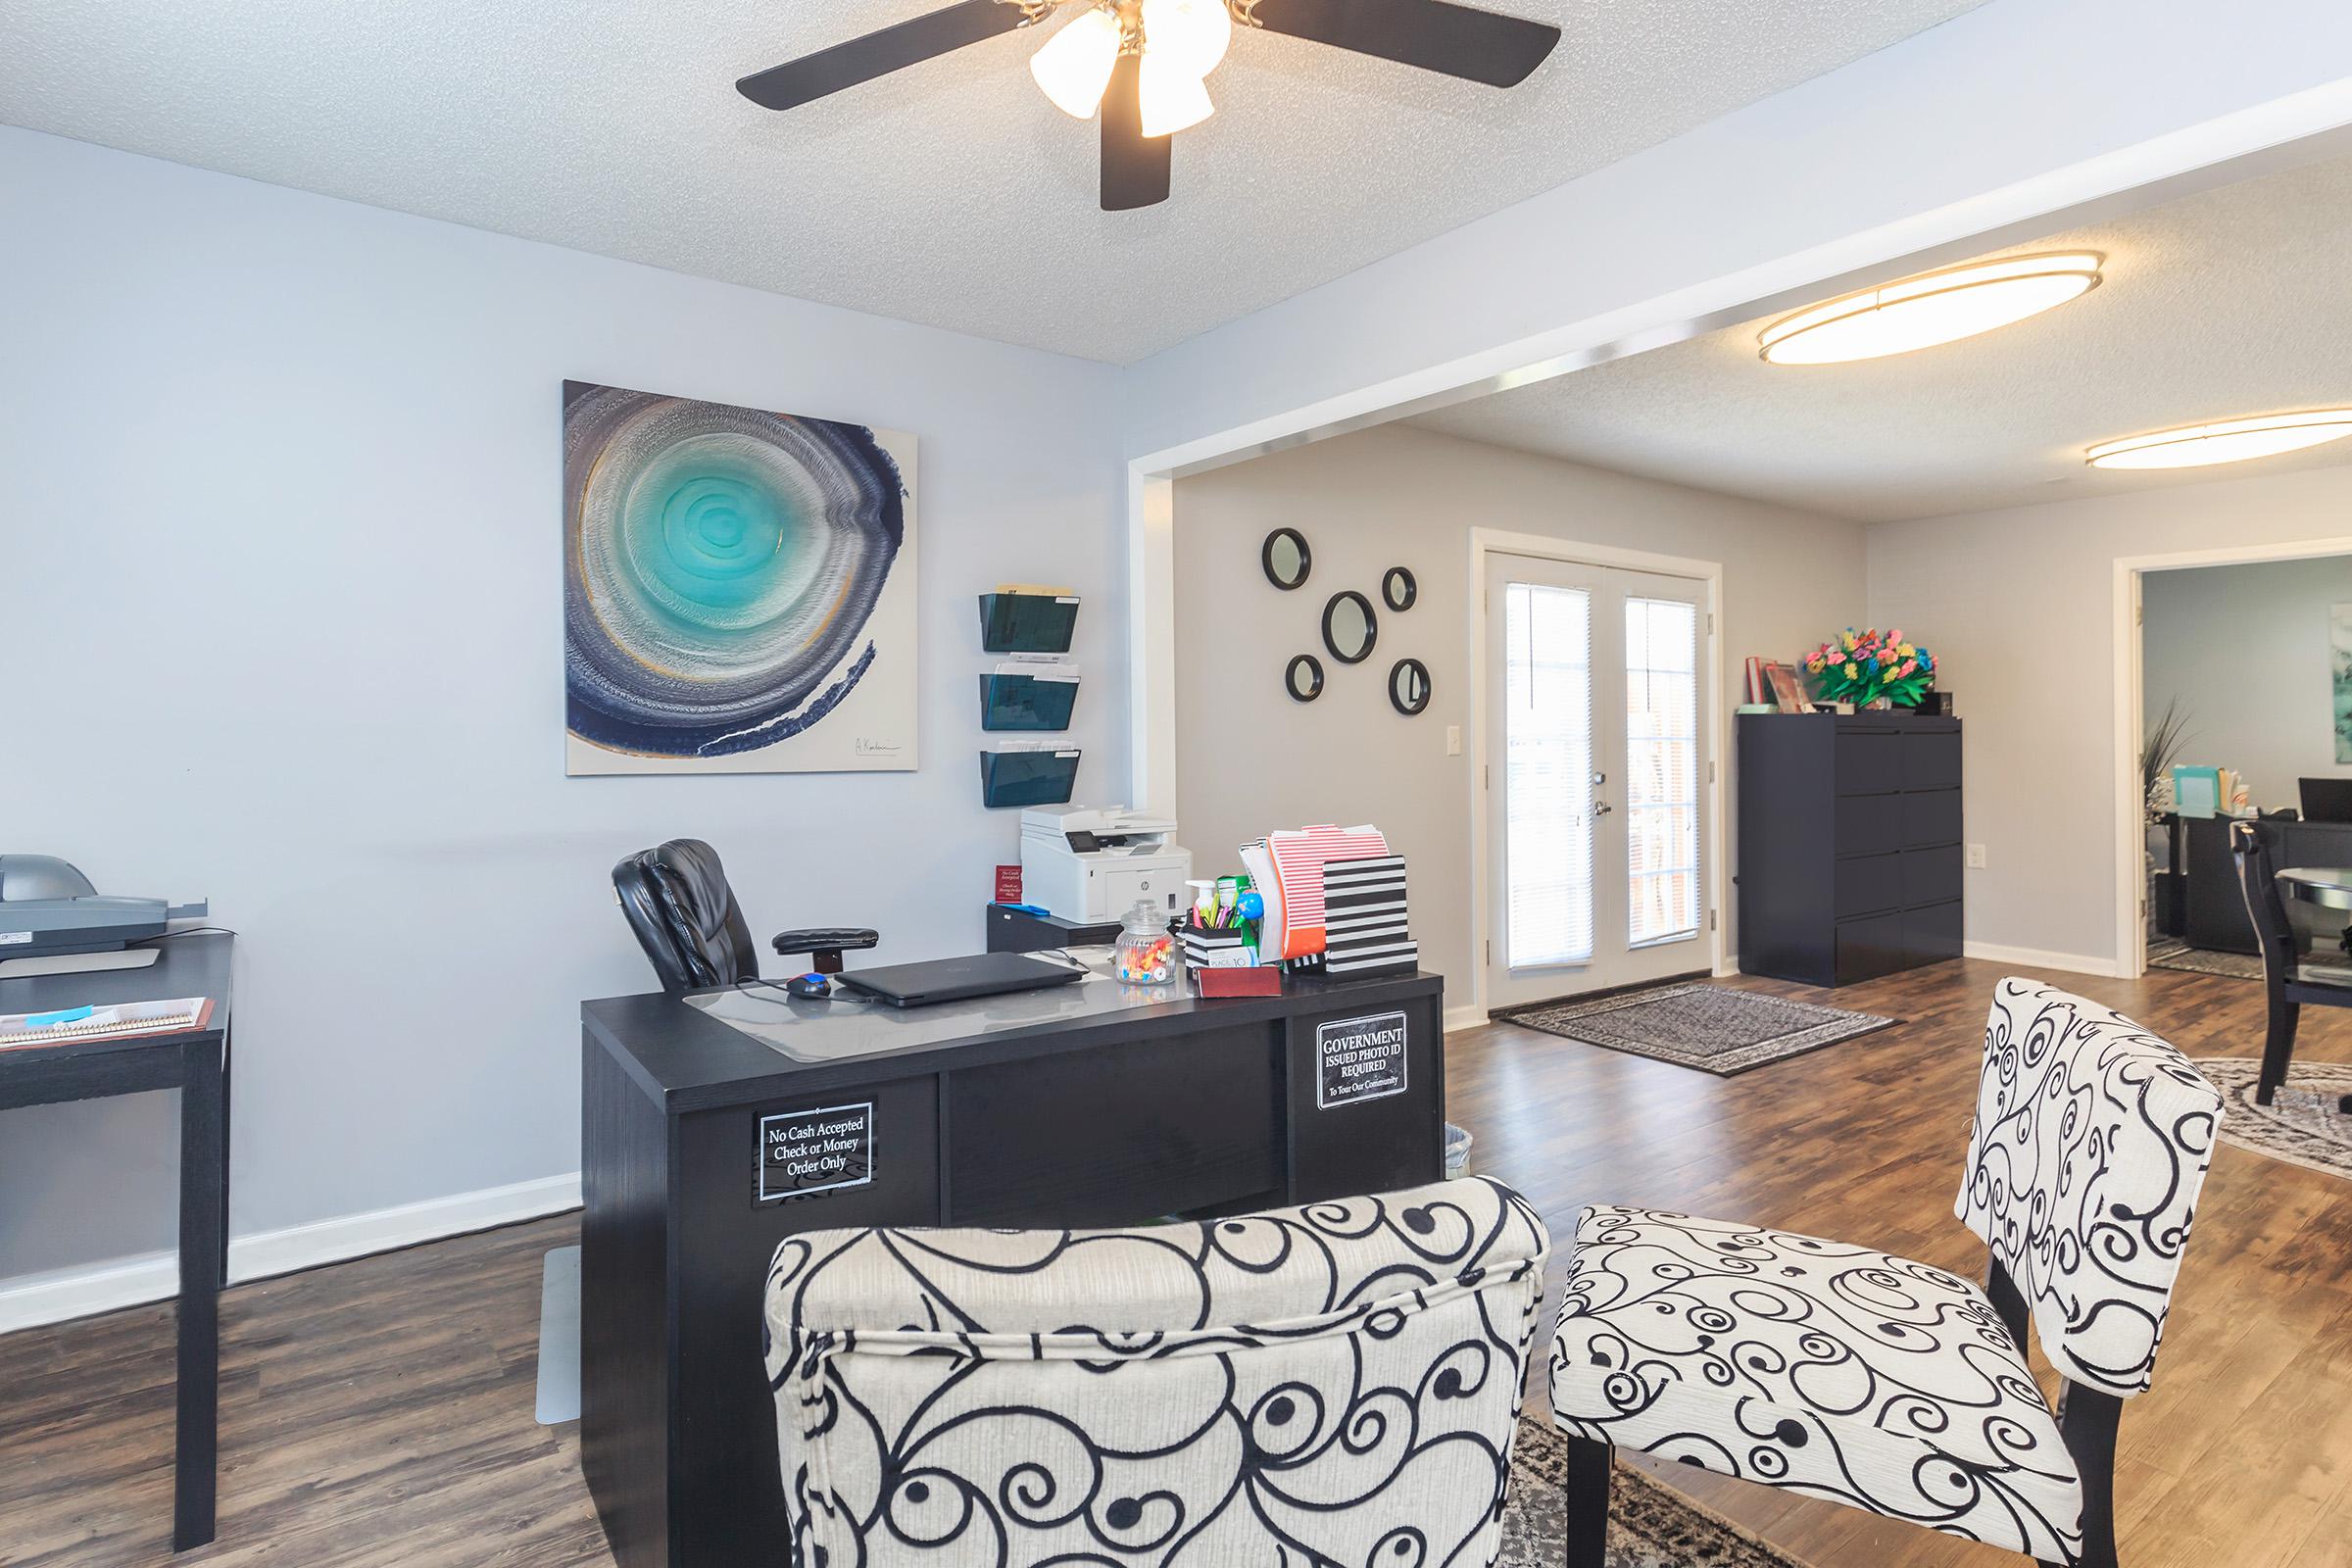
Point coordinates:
[[1714, 1028], [2171, 952], [2304, 1124], [559, 1337], [1650, 1525]]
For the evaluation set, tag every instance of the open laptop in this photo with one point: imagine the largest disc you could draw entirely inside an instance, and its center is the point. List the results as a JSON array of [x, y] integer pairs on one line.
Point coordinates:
[[2327, 800], [983, 974]]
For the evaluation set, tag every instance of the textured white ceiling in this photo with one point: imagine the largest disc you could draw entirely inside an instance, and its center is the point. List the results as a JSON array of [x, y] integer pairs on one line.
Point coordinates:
[[950, 193], [2235, 302]]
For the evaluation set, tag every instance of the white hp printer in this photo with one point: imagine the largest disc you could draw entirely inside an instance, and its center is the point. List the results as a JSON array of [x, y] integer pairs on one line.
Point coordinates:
[[1096, 863]]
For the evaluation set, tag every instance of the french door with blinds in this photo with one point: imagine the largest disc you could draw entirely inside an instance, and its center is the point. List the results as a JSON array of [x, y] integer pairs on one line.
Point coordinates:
[[1595, 778]]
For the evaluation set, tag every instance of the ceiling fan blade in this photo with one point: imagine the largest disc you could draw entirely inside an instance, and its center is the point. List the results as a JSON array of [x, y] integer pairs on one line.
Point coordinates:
[[878, 54], [1433, 34], [1135, 166]]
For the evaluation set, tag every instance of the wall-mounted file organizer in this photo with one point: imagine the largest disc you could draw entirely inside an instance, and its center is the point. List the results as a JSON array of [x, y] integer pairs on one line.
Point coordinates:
[[1019, 774], [1028, 695], [1027, 620]]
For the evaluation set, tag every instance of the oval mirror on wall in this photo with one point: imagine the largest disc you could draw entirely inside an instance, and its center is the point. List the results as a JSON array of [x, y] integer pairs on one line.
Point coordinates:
[[1398, 589], [1304, 679], [1349, 627], [1286, 559], [1408, 686]]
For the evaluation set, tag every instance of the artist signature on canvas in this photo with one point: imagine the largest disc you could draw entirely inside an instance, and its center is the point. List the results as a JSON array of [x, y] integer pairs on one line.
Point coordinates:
[[867, 746]]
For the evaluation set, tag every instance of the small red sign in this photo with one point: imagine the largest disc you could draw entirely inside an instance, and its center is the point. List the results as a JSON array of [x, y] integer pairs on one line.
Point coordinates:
[[1008, 884]]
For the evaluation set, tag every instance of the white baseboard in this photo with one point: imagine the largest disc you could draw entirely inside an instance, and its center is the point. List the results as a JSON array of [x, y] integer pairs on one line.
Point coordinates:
[[1469, 1017], [31, 1299], [2036, 959]]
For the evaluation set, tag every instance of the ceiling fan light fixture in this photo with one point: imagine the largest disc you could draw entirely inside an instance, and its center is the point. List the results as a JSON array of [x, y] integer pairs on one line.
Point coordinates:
[[1173, 98], [2194, 446], [1191, 34], [1941, 306], [1073, 67]]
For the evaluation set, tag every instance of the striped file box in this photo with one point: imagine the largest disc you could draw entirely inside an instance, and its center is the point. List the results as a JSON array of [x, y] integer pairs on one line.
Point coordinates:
[[1365, 924]]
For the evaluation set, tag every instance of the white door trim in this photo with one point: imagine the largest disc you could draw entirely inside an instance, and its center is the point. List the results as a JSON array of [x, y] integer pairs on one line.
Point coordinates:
[[2131, 927], [1485, 542]]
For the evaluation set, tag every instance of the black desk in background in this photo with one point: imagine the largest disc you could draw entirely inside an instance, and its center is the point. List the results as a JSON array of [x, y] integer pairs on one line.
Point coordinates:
[[2213, 906], [196, 1063], [1086, 1105]]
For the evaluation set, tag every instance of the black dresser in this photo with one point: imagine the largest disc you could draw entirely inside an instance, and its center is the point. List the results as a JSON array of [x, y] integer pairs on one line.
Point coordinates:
[[1850, 845]]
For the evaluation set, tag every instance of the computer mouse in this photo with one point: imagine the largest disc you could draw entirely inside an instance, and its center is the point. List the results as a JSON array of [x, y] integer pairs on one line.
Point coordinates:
[[812, 984]]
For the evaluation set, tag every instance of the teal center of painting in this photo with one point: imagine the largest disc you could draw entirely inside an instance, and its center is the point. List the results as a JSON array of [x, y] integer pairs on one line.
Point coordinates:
[[717, 539]]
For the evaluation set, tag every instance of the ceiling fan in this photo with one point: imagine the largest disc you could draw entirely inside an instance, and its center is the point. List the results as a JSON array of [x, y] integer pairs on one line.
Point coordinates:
[[1142, 63]]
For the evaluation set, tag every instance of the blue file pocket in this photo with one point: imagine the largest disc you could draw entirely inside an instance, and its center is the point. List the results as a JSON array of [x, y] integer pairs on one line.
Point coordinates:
[[1024, 702], [1027, 623], [1027, 779]]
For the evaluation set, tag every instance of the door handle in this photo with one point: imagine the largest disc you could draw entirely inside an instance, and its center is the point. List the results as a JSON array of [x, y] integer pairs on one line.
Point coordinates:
[[1602, 808]]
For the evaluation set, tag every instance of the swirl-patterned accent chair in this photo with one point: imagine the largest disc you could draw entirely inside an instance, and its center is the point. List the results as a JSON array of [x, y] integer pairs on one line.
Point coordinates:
[[1888, 1385], [1338, 1383]]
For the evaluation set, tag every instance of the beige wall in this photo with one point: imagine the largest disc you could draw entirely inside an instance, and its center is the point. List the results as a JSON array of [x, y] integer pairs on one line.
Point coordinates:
[[1248, 759], [2018, 606]]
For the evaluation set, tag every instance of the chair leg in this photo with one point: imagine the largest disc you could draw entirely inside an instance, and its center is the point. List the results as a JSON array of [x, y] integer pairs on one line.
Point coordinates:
[[1586, 1521], [2277, 1049], [2087, 1420]]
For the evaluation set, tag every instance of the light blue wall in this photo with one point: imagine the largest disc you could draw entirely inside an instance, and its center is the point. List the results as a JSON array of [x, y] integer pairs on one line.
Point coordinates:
[[2246, 650], [279, 531]]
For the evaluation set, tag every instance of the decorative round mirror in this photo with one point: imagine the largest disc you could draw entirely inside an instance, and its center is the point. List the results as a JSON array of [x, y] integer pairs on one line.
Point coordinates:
[[1286, 557], [1408, 686], [1348, 628], [1397, 590], [1304, 679]]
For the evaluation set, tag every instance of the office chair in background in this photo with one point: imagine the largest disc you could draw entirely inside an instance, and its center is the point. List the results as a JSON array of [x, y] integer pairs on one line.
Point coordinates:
[[686, 918]]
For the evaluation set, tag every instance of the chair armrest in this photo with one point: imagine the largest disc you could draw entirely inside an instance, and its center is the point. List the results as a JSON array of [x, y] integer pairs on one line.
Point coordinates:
[[1106, 1295], [826, 939]]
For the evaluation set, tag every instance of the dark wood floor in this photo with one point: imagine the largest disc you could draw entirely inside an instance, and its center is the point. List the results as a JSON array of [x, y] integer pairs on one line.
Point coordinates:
[[380, 1412]]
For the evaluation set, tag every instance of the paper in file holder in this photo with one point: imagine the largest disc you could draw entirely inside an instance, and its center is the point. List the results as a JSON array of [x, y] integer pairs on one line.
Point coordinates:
[[1028, 773], [1028, 694]]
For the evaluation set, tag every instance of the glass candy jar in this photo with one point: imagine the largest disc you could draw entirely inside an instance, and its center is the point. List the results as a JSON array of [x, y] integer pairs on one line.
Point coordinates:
[[1146, 950]]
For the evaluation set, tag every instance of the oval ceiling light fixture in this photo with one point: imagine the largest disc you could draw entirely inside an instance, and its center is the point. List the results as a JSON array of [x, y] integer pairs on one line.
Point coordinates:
[[2194, 446], [1919, 313]]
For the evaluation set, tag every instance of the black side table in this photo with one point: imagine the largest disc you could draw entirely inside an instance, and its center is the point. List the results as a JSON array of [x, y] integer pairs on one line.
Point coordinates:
[[196, 1063]]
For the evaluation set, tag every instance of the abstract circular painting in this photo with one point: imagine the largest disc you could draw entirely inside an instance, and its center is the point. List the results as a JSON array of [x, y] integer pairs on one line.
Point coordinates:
[[738, 588]]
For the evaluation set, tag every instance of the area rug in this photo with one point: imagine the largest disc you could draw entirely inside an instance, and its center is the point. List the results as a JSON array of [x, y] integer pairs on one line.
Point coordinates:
[[1713, 1028], [1650, 1526], [2170, 952], [2303, 1124]]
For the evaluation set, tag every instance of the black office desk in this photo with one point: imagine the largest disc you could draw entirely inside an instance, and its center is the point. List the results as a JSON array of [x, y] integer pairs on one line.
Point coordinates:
[[1089, 1104], [196, 1063], [2215, 913]]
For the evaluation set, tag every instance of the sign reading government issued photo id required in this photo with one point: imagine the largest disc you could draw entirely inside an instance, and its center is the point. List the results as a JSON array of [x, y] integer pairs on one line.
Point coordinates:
[[1359, 1059]]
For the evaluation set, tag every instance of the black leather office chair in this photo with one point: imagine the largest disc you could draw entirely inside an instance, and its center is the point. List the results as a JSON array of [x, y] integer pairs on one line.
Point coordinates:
[[2288, 983], [686, 918]]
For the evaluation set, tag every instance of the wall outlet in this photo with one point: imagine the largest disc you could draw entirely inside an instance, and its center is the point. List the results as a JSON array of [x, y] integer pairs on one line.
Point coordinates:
[[1453, 740], [1976, 857]]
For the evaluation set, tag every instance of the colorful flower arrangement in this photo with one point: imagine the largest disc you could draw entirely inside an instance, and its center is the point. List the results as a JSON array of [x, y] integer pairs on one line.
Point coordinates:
[[1862, 666]]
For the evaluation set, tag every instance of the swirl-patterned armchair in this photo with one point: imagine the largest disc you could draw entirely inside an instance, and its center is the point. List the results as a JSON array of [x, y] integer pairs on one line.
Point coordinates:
[[1338, 1383], [1890, 1386]]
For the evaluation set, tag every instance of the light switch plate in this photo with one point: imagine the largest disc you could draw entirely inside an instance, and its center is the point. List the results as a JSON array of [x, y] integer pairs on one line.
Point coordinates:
[[1453, 740]]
